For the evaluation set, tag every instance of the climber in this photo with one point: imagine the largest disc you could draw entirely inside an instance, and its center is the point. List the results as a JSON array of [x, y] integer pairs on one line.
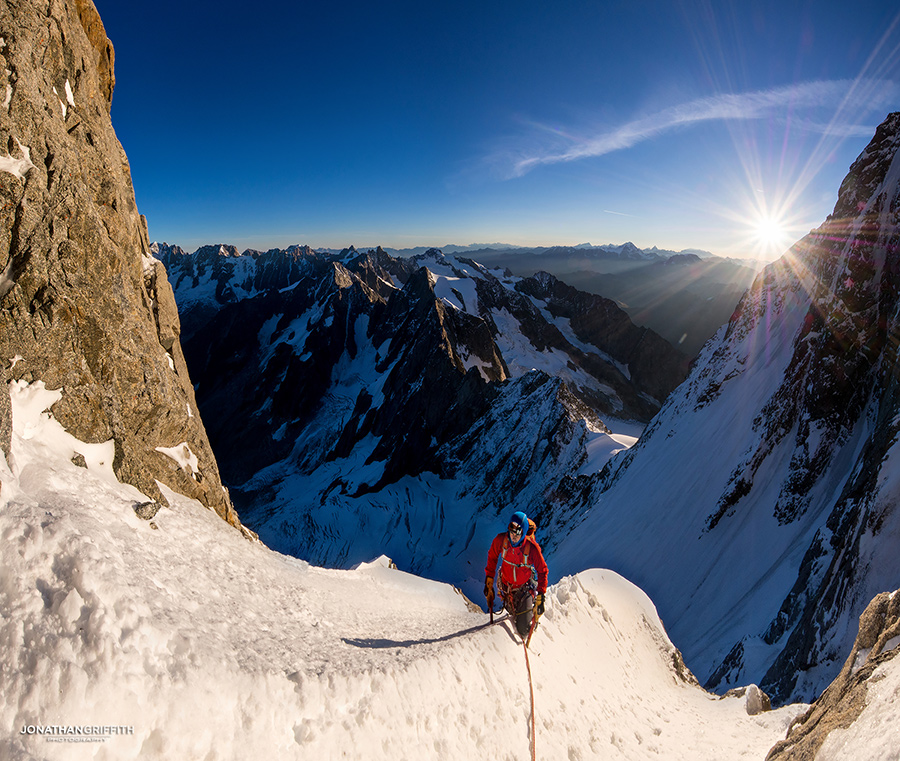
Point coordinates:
[[523, 572]]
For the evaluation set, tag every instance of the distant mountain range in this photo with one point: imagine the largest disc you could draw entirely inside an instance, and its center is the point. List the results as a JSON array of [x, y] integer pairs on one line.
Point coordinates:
[[415, 396], [627, 250], [683, 296]]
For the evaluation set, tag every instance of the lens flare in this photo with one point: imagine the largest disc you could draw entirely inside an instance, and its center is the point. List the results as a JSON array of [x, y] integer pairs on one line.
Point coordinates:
[[771, 235]]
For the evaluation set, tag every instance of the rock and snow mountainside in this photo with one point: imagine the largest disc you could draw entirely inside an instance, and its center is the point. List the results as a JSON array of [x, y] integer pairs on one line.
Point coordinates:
[[855, 717], [361, 402], [149, 631], [191, 642], [759, 510], [83, 307]]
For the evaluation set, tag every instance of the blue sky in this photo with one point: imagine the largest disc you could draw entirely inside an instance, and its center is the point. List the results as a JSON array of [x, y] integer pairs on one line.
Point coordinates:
[[708, 124]]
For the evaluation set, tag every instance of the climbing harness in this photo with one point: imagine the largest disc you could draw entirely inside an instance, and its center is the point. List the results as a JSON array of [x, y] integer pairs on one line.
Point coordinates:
[[525, 551], [507, 592]]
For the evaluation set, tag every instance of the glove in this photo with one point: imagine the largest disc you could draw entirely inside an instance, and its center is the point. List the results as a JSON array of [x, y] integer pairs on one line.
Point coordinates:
[[539, 604], [489, 590]]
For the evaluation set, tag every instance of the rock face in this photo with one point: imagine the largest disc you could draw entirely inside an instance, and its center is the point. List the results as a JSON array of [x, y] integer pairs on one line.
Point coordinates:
[[216, 275], [403, 393], [5, 416], [876, 646], [653, 367], [766, 489], [84, 308]]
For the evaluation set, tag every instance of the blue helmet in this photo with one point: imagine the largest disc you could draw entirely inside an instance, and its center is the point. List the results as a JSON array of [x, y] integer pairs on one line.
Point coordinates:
[[521, 520]]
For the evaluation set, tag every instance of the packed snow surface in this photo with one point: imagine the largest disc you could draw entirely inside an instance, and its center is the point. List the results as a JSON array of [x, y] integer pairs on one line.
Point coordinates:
[[193, 642]]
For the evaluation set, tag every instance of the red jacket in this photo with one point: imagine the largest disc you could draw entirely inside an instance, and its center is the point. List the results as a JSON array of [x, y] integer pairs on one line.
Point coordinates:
[[515, 568]]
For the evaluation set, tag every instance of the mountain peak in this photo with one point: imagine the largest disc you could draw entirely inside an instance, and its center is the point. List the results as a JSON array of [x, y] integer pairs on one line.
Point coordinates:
[[869, 185], [219, 249]]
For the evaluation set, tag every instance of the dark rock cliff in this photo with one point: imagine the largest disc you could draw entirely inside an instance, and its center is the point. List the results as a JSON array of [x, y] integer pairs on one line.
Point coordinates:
[[435, 334], [400, 391]]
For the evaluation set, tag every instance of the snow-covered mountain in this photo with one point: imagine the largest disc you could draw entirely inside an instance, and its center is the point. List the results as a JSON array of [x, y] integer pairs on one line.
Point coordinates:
[[759, 508], [383, 400], [149, 629], [683, 296], [176, 639], [216, 275]]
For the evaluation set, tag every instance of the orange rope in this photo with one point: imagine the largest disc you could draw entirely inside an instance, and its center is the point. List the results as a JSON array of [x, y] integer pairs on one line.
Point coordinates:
[[525, 642], [530, 687]]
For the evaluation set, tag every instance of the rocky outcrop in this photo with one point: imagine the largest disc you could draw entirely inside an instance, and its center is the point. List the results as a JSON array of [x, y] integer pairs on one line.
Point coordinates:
[[842, 703], [83, 305]]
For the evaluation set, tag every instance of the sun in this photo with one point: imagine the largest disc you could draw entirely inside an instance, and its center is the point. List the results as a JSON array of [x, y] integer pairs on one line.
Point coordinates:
[[770, 233], [764, 225]]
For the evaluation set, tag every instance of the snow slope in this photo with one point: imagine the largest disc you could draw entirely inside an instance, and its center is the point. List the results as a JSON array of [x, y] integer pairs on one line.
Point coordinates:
[[758, 509], [193, 642], [730, 578]]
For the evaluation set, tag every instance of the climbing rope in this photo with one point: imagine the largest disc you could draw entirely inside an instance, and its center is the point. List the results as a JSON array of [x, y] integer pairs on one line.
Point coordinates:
[[513, 615], [531, 689]]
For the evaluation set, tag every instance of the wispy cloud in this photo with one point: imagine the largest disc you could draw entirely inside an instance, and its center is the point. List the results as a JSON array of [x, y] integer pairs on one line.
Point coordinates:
[[838, 94]]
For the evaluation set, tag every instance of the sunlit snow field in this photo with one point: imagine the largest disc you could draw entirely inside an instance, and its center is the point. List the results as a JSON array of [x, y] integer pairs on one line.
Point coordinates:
[[210, 646]]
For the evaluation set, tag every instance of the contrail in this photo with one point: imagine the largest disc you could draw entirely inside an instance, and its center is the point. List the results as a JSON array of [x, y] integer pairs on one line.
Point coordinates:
[[728, 106]]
